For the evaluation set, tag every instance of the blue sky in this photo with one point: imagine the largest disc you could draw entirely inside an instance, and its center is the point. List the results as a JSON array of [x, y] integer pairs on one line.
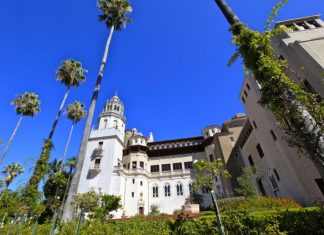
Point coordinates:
[[168, 66]]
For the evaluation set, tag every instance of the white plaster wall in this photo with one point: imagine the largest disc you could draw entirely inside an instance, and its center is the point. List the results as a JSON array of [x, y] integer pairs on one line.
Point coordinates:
[[112, 152], [111, 123]]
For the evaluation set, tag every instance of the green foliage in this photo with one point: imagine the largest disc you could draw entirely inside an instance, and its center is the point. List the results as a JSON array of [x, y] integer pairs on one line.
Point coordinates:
[[245, 182], [154, 210], [11, 205], [107, 204], [274, 13], [31, 194], [193, 226], [285, 98], [292, 221], [99, 205], [76, 111], [54, 190], [10, 172], [27, 104], [114, 13], [255, 204], [71, 73], [303, 221], [205, 173], [41, 168]]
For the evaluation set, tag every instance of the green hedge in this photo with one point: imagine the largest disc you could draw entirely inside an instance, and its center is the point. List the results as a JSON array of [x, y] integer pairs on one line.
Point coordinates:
[[289, 221], [255, 204]]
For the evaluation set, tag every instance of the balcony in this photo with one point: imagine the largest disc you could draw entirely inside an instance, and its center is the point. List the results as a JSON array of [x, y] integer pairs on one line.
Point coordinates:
[[94, 170], [160, 174]]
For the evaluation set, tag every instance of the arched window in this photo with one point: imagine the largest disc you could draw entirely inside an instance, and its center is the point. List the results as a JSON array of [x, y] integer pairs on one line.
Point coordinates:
[[105, 124], [155, 191], [273, 182], [190, 188], [115, 124], [179, 189], [167, 191]]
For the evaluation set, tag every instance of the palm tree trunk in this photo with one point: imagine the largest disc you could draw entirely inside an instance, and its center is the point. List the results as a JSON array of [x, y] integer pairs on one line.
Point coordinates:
[[59, 114], [68, 210], [67, 146], [10, 140], [230, 16], [318, 157]]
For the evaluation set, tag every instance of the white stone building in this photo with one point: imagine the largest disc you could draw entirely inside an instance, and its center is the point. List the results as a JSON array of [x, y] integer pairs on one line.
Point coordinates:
[[141, 171]]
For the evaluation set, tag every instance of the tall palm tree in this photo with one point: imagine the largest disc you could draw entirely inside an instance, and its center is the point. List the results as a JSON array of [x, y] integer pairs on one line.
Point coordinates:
[[10, 172], [294, 108], [70, 74], [27, 105], [114, 14], [75, 113]]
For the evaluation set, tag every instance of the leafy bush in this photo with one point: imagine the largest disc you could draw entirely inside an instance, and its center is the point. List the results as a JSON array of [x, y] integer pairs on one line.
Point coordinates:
[[289, 221], [255, 204], [193, 226]]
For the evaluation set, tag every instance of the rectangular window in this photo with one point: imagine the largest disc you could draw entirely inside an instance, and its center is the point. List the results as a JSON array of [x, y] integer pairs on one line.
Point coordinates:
[[273, 182], [251, 160], [133, 181], [166, 167], [97, 162], [132, 194], [243, 99], [188, 165], [276, 174], [248, 86], [320, 184], [155, 168], [273, 135], [134, 165], [245, 93], [260, 151], [128, 166], [252, 164], [100, 144], [254, 124], [141, 183], [142, 165], [124, 165], [177, 166]]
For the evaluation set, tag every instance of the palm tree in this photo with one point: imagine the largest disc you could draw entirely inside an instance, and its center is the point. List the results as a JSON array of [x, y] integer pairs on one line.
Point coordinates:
[[10, 172], [299, 114], [27, 104], [54, 166], [75, 113], [114, 14], [70, 74]]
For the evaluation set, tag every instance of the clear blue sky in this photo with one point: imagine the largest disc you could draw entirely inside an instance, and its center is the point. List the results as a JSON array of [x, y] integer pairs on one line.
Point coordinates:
[[168, 66]]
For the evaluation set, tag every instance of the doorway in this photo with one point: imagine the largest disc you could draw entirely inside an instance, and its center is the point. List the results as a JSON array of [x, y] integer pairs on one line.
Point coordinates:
[[141, 210]]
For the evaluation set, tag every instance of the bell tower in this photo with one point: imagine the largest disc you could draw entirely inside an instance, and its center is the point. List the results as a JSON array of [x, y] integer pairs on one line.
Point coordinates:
[[104, 150], [112, 115]]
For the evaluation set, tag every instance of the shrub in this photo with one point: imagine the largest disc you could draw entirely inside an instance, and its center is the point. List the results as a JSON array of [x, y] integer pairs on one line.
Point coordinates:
[[177, 212], [255, 204]]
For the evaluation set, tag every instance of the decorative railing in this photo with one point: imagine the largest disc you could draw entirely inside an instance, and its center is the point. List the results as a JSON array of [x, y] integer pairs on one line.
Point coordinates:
[[140, 171]]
